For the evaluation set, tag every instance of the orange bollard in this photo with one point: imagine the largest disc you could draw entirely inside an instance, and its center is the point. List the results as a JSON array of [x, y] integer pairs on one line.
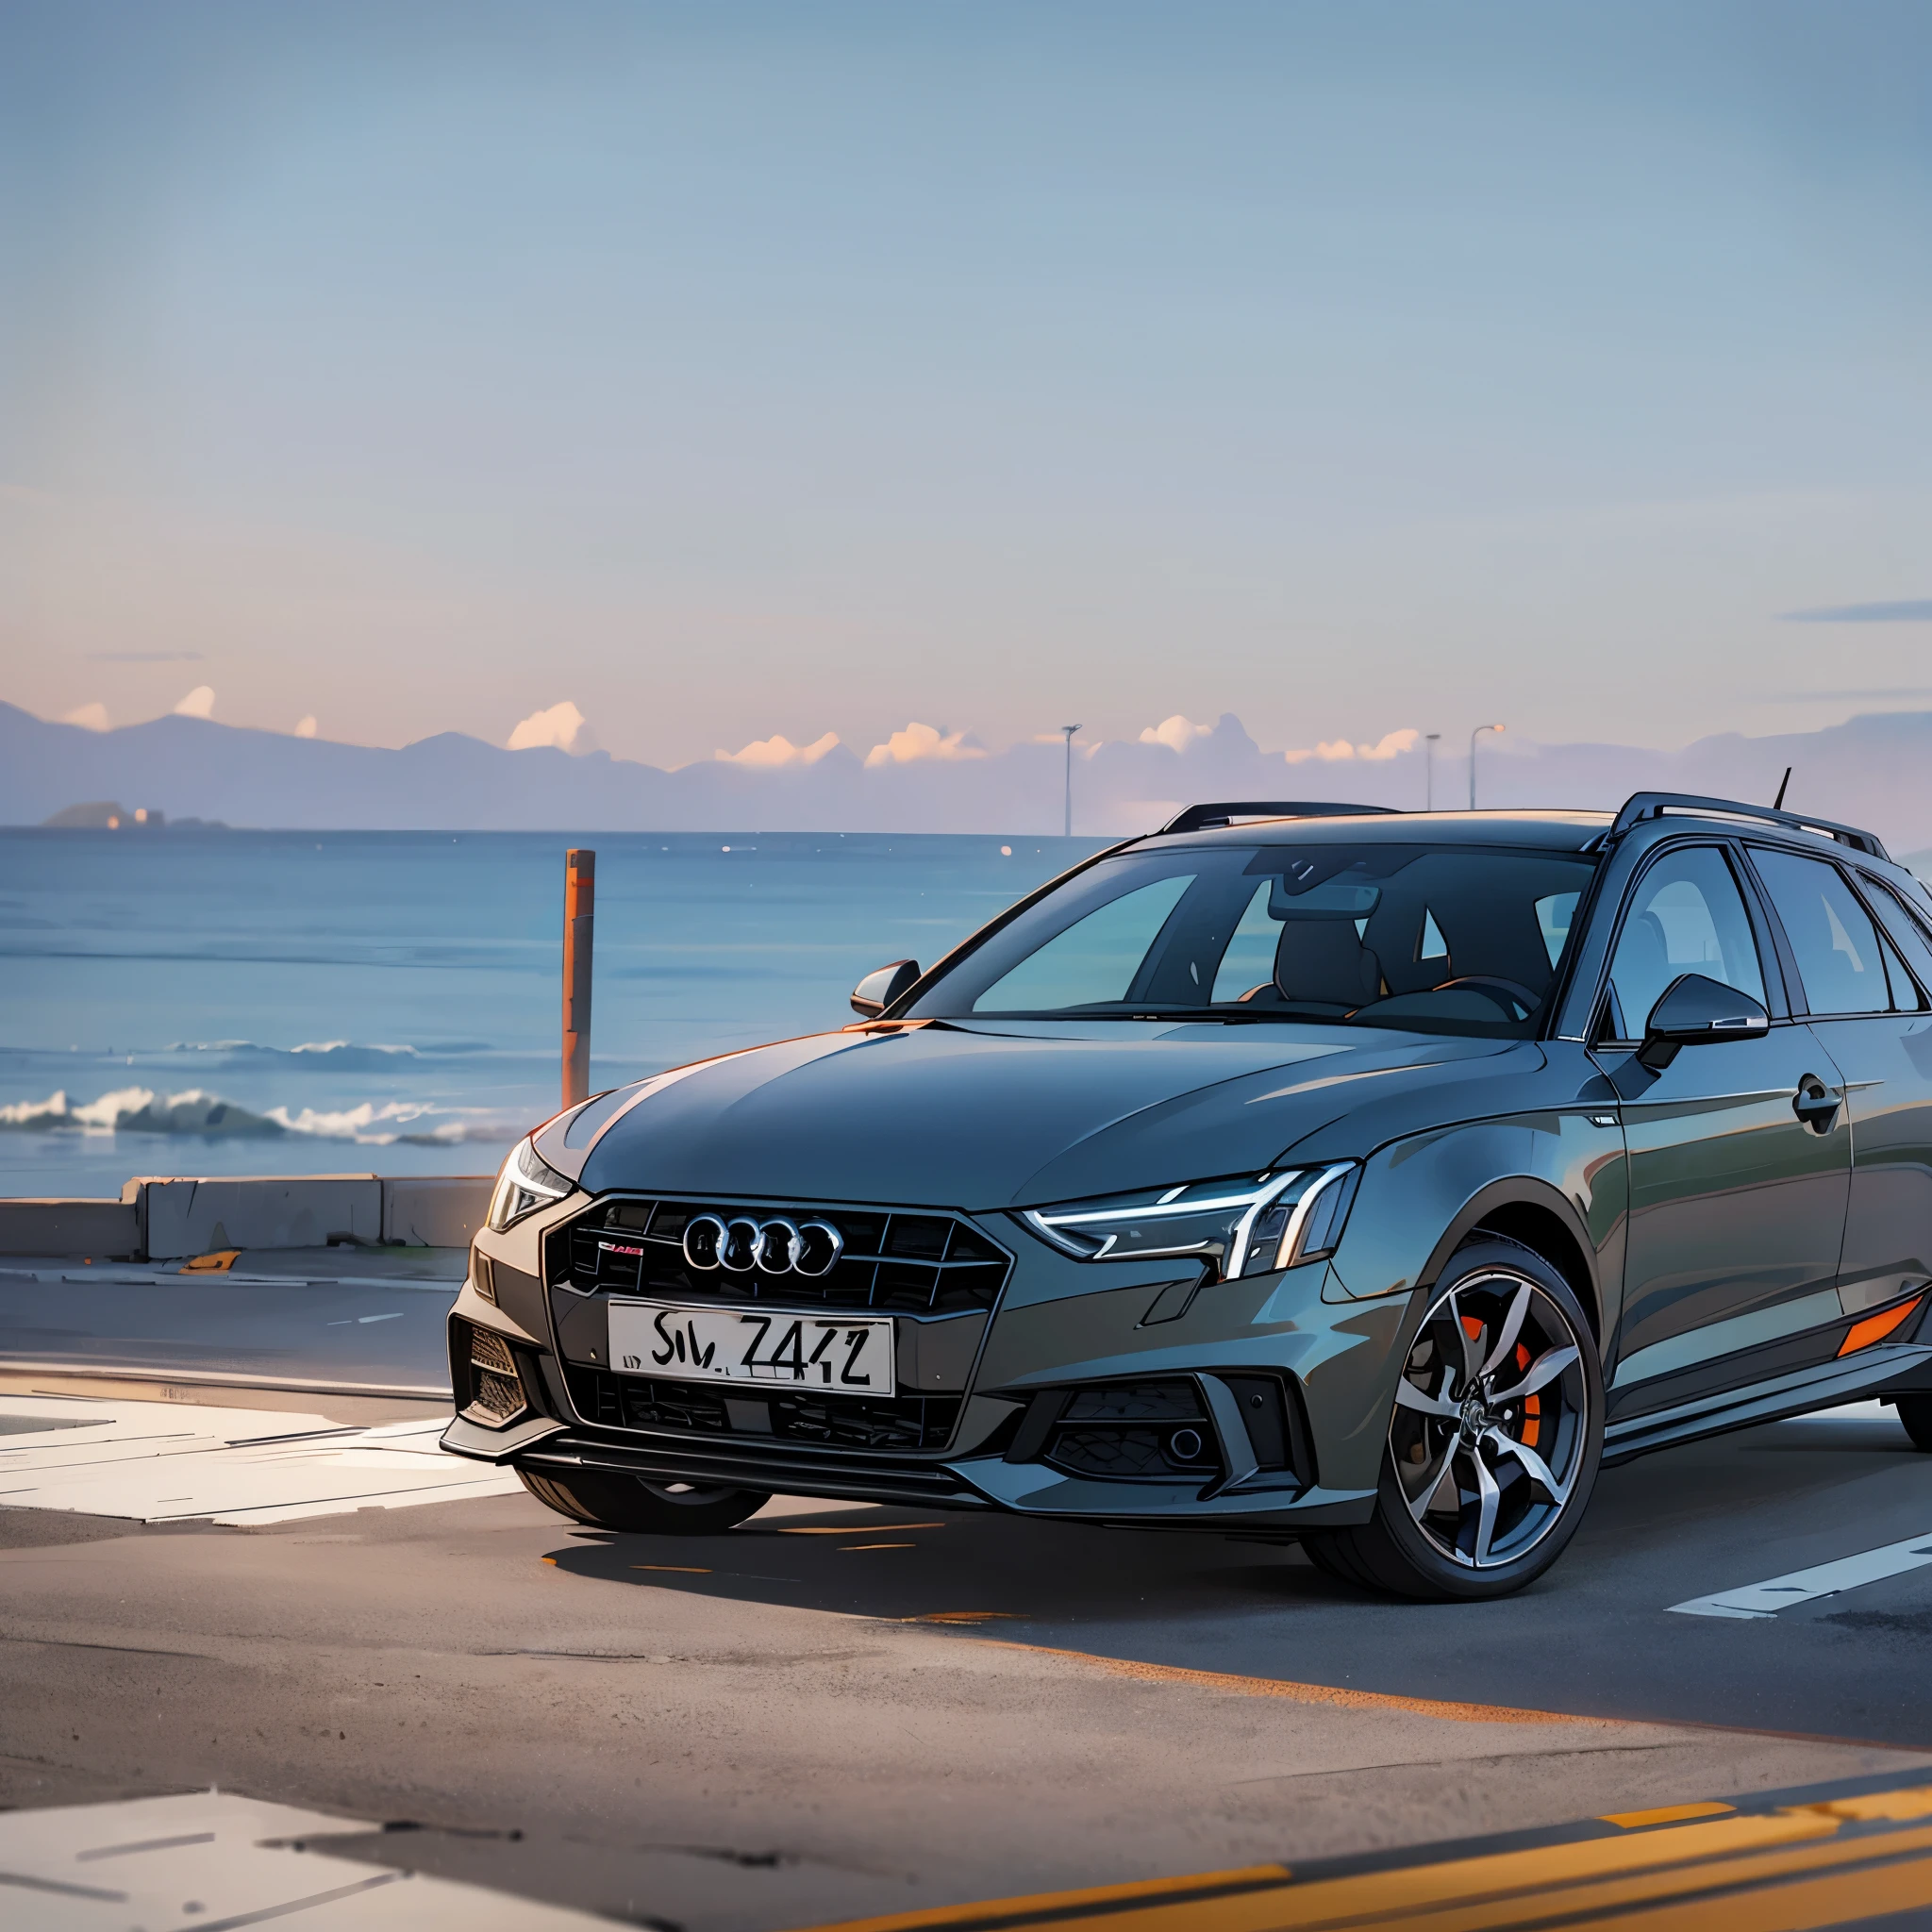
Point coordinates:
[[579, 909]]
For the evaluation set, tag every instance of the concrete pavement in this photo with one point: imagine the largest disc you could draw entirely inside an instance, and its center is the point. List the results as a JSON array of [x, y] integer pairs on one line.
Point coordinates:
[[831, 1713]]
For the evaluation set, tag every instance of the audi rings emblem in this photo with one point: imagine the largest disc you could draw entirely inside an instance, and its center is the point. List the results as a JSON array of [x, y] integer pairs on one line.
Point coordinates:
[[777, 1246]]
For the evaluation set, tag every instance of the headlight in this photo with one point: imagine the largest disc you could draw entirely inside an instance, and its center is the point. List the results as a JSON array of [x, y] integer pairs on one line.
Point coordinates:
[[526, 1183], [1248, 1225]]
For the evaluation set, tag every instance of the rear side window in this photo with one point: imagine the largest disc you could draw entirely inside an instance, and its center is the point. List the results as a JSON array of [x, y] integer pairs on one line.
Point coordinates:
[[1685, 916], [1902, 927], [1831, 934]]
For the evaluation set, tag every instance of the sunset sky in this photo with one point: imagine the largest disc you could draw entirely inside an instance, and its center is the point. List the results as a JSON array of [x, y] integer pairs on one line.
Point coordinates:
[[734, 372]]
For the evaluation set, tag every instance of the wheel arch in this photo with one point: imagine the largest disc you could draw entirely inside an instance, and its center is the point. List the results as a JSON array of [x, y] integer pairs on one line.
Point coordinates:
[[1531, 1212]]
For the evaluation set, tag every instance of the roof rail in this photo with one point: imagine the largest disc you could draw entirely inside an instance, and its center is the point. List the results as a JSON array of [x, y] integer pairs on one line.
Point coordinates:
[[1204, 818], [1653, 805]]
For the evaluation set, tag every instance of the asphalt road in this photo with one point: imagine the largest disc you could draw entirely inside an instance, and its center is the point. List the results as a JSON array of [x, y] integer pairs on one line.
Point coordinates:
[[827, 1712], [345, 1318]]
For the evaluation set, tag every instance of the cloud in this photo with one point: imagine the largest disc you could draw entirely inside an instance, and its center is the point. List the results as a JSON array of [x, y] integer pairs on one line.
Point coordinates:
[[1391, 745], [306, 728], [779, 750], [919, 743], [561, 725], [1912, 611], [1176, 733], [143, 657], [199, 703], [89, 717]]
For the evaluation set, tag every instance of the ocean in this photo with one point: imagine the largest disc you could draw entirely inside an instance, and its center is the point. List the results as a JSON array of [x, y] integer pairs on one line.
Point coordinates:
[[208, 1002]]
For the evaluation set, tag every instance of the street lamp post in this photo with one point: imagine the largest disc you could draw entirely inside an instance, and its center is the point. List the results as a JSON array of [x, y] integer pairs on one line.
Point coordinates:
[[1472, 737], [1430, 741], [1067, 731]]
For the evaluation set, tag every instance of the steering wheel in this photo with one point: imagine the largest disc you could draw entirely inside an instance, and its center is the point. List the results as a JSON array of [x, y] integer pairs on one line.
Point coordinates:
[[1506, 993]]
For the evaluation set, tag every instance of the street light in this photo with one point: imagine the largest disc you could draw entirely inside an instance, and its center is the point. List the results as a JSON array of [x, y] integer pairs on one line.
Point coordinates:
[[1430, 741], [1067, 731], [1472, 737]]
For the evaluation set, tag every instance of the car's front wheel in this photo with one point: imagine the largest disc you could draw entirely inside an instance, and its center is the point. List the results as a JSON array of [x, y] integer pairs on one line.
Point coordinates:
[[1494, 1437], [607, 1501]]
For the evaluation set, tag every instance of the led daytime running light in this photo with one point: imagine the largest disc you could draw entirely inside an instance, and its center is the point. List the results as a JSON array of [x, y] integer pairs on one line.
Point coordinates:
[[526, 1183], [1250, 1215]]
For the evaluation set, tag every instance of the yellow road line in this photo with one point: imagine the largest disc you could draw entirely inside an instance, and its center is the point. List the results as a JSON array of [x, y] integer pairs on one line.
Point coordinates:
[[1914, 1800], [1317, 1694], [1706, 1885], [1665, 1814], [1761, 1870], [1838, 1900], [1042, 1907]]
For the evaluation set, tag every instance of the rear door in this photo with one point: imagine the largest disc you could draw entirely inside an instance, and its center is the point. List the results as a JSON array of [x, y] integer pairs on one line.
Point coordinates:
[[1871, 1012], [1737, 1203]]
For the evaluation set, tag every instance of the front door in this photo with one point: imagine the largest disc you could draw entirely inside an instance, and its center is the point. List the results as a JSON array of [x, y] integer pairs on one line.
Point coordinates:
[[1737, 1200]]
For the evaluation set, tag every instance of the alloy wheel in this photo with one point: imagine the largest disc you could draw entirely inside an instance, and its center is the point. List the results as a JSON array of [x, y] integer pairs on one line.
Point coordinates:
[[1491, 1421]]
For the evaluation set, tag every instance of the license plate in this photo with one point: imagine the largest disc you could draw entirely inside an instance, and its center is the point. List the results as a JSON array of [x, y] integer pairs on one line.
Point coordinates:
[[831, 1353]]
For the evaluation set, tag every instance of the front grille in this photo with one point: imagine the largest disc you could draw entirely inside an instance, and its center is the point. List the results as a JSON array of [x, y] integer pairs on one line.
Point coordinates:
[[843, 1422], [915, 1264]]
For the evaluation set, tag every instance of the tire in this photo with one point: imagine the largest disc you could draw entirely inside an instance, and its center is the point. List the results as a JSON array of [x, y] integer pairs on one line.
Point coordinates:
[[607, 1501], [1499, 1311], [1915, 1411]]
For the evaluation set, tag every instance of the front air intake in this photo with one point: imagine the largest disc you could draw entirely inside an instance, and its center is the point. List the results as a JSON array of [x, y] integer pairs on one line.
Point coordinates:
[[1153, 1431], [496, 1390]]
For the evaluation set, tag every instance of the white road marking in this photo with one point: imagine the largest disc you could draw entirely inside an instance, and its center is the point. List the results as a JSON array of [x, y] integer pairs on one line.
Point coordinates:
[[218, 1860], [116, 1457], [1804, 1585]]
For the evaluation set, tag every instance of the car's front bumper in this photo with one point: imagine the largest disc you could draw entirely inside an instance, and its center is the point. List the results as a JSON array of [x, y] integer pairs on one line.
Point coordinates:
[[1061, 1327]]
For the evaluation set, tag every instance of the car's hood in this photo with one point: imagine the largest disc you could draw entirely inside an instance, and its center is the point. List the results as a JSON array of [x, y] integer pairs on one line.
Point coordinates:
[[980, 1118]]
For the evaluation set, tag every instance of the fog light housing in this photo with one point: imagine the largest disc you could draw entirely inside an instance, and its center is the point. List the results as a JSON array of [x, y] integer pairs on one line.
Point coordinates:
[[496, 1390]]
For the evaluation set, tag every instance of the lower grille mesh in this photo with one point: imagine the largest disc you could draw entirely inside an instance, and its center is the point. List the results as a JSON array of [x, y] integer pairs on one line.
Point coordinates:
[[1152, 1431], [846, 1421], [496, 1390]]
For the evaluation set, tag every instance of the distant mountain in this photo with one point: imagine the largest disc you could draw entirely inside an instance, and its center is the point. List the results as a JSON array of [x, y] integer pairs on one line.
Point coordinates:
[[1874, 770]]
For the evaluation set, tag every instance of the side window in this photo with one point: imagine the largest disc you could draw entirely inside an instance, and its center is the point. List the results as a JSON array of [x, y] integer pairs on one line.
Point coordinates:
[[1904, 930], [1684, 916], [1831, 934], [1249, 961], [1095, 960]]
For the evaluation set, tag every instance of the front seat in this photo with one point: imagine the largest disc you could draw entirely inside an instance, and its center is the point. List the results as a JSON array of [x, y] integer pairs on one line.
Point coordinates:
[[1321, 962]]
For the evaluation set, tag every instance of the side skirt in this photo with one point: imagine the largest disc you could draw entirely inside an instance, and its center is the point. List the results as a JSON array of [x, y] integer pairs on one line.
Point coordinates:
[[1867, 1373]]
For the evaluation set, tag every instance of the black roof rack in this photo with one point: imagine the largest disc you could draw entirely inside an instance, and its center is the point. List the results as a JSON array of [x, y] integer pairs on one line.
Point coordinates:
[[1653, 805], [1205, 818]]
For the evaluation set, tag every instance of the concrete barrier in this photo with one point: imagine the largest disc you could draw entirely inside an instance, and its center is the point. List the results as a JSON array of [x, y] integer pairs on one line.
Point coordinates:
[[169, 1217], [100, 1230], [440, 1210], [183, 1216]]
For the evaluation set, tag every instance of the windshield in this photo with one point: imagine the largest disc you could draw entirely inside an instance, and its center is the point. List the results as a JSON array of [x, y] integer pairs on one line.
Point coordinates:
[[1436, 939]]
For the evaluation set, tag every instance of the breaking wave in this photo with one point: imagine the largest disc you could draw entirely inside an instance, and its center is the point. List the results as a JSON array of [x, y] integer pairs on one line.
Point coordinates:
[[324, 1055], [140, 1110]]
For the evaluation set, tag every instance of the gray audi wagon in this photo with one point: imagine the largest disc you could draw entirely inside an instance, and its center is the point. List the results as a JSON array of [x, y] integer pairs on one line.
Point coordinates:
[[1362, 1179]]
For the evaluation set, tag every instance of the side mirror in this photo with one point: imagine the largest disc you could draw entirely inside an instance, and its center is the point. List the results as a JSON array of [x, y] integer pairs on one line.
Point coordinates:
[[1694, 1011], [877, 990]]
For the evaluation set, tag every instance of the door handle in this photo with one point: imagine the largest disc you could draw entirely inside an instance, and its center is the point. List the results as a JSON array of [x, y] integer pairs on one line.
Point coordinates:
[[1816, 1103]]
